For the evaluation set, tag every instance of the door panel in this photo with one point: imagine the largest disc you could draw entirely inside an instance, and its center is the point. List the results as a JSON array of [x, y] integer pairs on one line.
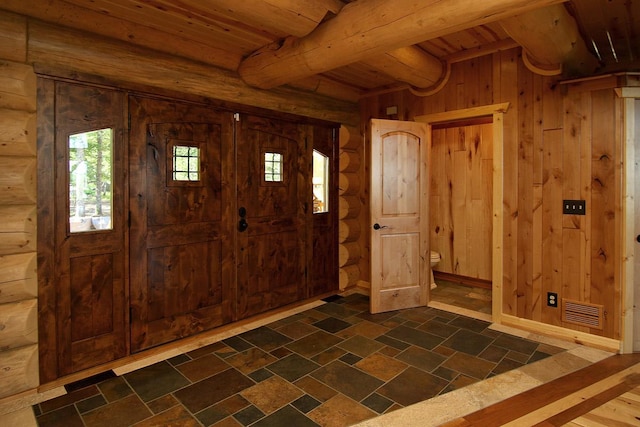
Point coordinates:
[[181, 230], [272, 250], [90, 265], [399, 215]]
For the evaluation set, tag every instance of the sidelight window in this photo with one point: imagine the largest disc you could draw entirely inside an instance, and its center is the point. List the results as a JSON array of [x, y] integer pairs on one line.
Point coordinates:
[[90, 180], [320, 182]]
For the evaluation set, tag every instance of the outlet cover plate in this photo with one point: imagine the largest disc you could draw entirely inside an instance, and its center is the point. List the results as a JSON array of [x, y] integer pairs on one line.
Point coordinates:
[[552, 299], [574, 207]]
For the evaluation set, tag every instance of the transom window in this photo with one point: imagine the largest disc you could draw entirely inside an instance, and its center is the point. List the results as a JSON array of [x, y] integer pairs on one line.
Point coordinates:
[[186, 163], [273, 171]]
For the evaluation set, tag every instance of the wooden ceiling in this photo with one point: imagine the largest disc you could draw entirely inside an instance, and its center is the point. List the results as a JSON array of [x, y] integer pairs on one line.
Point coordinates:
[[272, 37]]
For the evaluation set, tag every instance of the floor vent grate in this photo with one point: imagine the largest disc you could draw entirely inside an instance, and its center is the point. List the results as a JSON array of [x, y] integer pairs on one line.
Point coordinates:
[[582, 313]]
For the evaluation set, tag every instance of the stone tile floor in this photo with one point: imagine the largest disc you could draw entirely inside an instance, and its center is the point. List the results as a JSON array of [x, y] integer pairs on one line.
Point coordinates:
[[333, 365]]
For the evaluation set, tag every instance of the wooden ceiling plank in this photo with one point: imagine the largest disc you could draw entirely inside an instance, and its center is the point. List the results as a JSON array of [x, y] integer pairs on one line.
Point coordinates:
[[170, 17], [552, 41], [366, 28], [63, 13]]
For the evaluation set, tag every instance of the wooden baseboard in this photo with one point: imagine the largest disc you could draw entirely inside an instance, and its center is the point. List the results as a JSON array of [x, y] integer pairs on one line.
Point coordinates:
[[464, 280]]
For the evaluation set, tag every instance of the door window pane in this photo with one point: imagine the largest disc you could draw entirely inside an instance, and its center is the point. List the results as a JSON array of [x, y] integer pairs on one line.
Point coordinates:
[[273, 167], [186, 163], [320, 182], [90, 172]]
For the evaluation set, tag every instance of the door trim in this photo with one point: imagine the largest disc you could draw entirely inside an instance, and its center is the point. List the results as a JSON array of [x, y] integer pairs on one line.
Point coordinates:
[[497, 111]]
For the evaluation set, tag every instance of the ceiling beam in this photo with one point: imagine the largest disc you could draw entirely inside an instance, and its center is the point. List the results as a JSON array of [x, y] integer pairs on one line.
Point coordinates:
[[410, 65], [366, 28], [551, 42]]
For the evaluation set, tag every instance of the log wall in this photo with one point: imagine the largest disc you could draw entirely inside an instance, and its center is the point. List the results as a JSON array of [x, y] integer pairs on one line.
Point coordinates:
[[18, 283], [561, 141]]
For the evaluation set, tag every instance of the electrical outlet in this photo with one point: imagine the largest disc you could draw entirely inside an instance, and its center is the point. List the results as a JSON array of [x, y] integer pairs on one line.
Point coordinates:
[[574, 207], [552, 299]]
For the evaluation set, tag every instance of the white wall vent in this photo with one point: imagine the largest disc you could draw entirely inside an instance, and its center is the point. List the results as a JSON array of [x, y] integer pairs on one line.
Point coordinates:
[[582, 313]]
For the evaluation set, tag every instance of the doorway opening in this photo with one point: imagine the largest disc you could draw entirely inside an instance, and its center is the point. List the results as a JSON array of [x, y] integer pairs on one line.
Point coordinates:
[[466, 217]]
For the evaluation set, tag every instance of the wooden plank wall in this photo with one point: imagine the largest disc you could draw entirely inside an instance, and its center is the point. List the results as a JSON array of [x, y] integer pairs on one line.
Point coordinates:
[[561, 141], [461, 192], [18, 282]]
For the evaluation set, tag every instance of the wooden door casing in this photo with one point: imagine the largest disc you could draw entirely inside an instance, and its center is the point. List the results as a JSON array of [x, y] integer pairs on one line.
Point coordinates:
[[182, 275], [399, 215], [272, 251]]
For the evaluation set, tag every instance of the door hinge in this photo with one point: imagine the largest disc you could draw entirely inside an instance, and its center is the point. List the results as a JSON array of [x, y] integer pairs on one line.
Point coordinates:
[[236, 117]]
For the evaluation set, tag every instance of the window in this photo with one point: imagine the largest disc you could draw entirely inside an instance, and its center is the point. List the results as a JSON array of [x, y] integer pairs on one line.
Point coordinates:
[[90, 172], [273, 167], [320, 182], [186, 163]]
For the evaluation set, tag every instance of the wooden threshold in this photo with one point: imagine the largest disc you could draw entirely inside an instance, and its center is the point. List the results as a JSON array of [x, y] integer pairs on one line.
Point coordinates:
[[464, 280]]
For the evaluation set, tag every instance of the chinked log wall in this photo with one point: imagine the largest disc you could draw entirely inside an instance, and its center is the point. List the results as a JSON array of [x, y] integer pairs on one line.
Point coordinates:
[[24, 42], [18, 284]]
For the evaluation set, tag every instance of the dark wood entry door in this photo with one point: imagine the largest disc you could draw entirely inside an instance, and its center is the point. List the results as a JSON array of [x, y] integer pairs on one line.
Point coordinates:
[[274, 198], [181, 200]]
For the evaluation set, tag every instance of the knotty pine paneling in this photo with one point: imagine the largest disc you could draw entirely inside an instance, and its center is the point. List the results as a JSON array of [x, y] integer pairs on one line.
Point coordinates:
[[561, 141]]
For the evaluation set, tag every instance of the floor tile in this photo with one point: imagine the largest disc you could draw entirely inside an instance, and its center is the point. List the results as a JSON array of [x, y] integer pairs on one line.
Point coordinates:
[[177, 416], [314, 343], [438, 328], [336, 310], [271, 394], [517, 344], [121, 413], [350, 358], [114, 389], [66, 416], [377, 403], [469, 365], [421, 358], [332, 325], [297, 330], [90, 404], [305, 403], [315, 388], [469, 323], [340, 411], [293, 367], [163, 403], [329, 355], [411, 386], [250, 360], [415, 337], [237, 343], [213, 389], [468, 342], [265, 338], [155, 380], [286, 416], [381, 366], [202, 367], [67, 399], [364, 328], [248, 415], [348, 380], [222, 410], [360, 345]]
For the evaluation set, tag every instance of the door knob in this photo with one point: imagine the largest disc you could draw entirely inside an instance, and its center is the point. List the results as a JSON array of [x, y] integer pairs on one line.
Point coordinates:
[[242, 225], [377, 226]]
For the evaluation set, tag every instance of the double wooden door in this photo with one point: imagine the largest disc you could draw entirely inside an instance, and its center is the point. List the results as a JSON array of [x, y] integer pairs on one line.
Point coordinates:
[[206, 217], [225, 243]]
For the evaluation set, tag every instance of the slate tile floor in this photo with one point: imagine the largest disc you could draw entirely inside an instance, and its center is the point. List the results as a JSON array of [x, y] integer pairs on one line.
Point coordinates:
[[333, 365]]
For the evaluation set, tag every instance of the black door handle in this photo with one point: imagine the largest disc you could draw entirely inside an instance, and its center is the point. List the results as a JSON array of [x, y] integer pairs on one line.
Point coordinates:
[[638, 238], [377, 226], [242, 225]]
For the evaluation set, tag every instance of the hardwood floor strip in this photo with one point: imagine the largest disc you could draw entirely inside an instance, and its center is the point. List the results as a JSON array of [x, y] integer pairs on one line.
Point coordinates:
[[577, 397], [532, 400], [596, 401]]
